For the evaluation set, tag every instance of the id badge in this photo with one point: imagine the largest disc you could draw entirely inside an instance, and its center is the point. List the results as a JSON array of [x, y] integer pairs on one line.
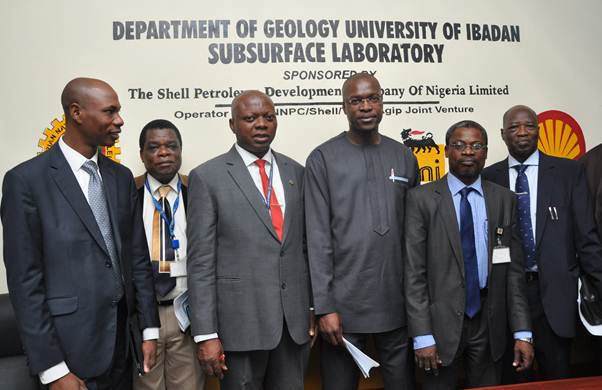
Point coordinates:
[[178, 268], [501, 255]]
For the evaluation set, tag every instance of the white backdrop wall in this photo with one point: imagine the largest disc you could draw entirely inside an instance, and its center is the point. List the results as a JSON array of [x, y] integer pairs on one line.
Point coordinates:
[[545, 54]]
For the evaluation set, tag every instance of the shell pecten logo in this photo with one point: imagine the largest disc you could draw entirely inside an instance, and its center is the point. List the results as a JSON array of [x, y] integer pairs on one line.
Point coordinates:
[[58, 128], [560, 135]]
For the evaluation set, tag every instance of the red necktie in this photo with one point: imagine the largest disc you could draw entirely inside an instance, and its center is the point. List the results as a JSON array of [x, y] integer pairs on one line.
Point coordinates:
[[275, 210]]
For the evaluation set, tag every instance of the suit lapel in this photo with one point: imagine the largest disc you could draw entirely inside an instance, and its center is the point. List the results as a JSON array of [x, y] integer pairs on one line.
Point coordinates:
[[240, 174], [287, 176], [502, 175], [545, 184], [109, 184], [67, 184], [447, 212]]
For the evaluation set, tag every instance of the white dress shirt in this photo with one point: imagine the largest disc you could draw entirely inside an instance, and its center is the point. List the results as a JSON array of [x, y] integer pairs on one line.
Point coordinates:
[[179, 228], [249, 160], [76, 161]]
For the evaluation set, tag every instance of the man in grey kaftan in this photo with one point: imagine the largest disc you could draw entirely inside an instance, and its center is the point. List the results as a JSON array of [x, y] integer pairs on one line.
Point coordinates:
[[355, 191]]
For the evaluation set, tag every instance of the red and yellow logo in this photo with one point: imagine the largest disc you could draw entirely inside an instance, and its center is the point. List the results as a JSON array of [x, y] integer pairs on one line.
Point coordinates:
[[58, 128], [560, 135]]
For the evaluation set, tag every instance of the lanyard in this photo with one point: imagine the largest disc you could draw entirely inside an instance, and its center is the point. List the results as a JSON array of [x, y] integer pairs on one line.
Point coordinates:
[[170, 224], [268, 197]]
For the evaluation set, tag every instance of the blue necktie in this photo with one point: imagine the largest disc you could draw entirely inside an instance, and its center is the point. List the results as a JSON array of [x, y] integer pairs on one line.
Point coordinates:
[[98, 204], [469, 252], [524, 215]]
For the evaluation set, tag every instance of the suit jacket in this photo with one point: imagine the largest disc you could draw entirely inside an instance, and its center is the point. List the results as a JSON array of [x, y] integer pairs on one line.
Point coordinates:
[[566, 246], [58, 267], [434, 269], [242, 281]]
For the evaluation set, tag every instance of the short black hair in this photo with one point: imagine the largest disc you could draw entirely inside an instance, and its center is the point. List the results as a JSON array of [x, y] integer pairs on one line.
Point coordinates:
[[467, 124], [158, 124]]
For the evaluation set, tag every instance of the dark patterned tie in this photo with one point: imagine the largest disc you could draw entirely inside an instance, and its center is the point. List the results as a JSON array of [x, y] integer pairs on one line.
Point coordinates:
[[469, 252], [525, 226], [162, 246], [98, 204]]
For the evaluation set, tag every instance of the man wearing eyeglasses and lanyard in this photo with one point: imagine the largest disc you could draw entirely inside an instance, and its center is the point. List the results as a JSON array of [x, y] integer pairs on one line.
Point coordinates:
[[559, 236], [247, 270], [163, 194], [463, 273], [355, 186]]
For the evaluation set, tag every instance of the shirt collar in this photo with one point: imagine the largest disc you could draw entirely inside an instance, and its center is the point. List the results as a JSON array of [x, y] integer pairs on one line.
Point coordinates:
[[154, 184], [455, 185], [74, 158], [249, 158], [532, 160]]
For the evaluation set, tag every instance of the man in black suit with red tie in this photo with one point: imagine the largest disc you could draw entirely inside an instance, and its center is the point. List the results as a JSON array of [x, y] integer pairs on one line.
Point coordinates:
[[558, 231]]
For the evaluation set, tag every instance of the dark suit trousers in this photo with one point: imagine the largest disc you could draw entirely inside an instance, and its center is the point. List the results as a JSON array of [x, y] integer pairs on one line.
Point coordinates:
[[119, 376], [282, 368], [339, 371], [474, 352], [552, 352]]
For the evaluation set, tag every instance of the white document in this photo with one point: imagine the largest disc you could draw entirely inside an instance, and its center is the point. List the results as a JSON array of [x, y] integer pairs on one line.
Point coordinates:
[[501, 254], [182, 309], [596, 330], [363, 361]]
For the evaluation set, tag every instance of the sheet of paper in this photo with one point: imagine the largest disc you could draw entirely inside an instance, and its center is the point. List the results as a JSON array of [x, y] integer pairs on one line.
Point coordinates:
[[596, 330], [363, 361], [181, 309]]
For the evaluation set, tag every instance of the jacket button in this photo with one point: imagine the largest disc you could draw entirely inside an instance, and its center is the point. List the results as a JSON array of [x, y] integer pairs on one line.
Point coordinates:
[[283, 286], [108, 265], [459, 313]]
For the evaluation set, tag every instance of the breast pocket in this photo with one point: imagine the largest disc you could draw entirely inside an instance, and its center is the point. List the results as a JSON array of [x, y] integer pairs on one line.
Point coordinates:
[[62, 306]]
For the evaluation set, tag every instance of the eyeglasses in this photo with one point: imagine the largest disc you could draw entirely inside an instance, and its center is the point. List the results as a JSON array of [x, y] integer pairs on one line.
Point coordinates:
[[372, 99], [460, 147]]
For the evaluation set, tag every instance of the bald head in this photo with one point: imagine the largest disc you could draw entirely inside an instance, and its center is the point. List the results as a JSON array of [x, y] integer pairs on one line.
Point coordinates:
[[80, 90], [92, 113], [512, 111], [520, 132], [245, 97], [253, 122], [351, 81]]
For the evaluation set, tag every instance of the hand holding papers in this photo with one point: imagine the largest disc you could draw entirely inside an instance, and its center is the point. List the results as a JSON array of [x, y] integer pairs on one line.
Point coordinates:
[[363, 361]]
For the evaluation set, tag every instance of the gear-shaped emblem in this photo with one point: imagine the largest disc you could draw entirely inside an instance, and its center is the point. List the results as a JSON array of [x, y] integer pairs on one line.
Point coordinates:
[[58, 128]]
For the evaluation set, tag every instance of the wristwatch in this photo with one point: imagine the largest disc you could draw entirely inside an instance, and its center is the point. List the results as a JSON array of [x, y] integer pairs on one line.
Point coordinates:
[[527, 340]]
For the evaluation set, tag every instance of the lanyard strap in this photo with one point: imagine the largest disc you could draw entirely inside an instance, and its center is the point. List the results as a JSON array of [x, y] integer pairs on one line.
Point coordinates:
[[159, 207]]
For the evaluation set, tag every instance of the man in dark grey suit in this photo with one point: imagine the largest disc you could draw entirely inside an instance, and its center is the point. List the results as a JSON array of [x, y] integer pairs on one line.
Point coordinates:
[[463, 276], [355, 202], [77, 263], [560, 239], [247, 270]]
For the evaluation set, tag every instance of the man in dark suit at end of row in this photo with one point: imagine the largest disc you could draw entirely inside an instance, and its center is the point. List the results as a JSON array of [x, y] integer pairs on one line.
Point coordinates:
[[558, 233], [464, 281], [78, 271]]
